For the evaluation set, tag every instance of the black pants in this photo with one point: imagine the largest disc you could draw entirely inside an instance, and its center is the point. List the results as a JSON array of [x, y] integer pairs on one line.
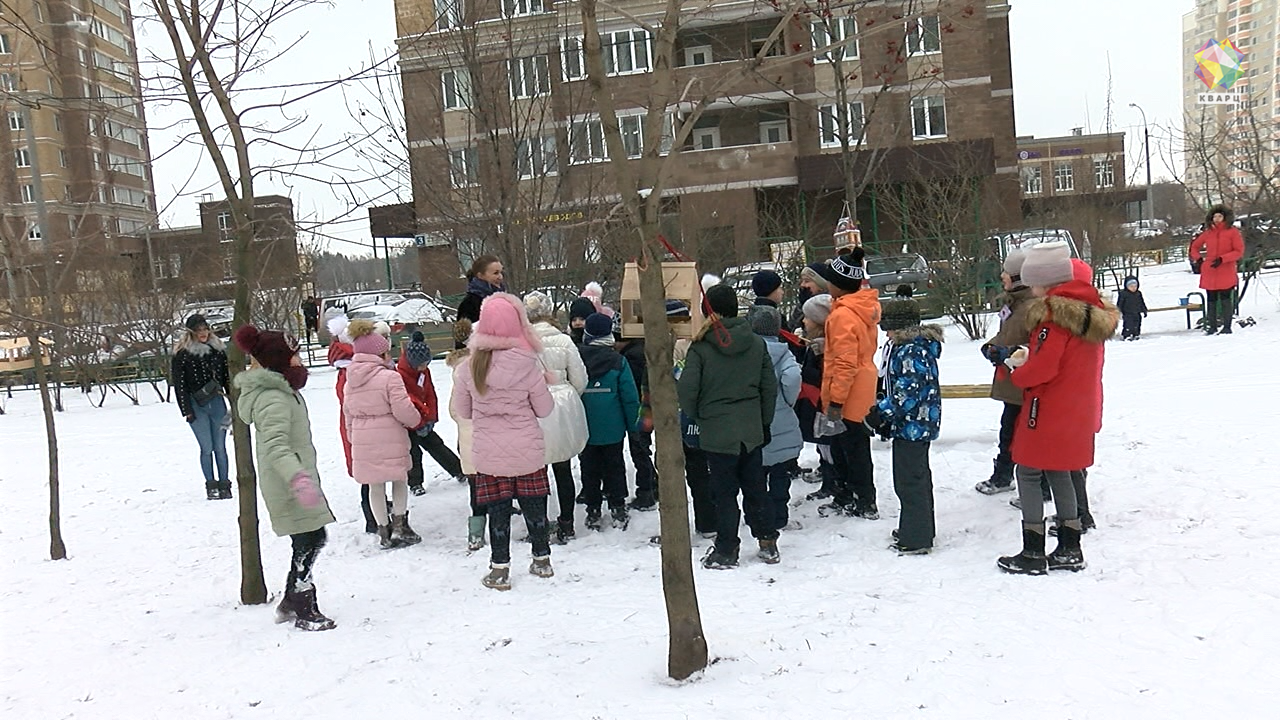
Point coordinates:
[[733, 474], [1003, 474], [1221, 308], [778, 480], [1079, 480], [855, 483], [534, 510], [435, 447], [913, 482], [306, 547], [602, 465], [563, 472], [698, 476], [1132, 325], [640, 444]]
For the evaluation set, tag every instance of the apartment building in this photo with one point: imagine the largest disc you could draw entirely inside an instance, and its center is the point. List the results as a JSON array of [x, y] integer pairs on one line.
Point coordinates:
[[73, 138], [1230, 147], [1076, 181], [505, 137]]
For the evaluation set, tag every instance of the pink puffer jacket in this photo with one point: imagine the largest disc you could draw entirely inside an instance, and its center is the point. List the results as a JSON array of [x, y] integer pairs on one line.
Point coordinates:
[[378, 414]]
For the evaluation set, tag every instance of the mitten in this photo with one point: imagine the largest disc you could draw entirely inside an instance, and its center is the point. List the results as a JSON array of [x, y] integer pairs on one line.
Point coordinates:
[[190, 418], [305, 490], [768, 435], [877, 422], [1217, 262], [1017, 359], [996, 354], [426, 429], [835, 413], [226, 421]]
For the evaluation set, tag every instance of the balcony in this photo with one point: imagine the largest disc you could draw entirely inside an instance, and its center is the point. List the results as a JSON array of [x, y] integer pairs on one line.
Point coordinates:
[[713, 55]]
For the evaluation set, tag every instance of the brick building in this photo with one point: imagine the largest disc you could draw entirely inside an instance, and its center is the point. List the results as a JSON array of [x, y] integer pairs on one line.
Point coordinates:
[[505, 139]]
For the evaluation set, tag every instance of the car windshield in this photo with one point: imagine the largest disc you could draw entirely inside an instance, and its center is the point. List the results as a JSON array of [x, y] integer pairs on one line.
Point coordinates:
[[883, 265]]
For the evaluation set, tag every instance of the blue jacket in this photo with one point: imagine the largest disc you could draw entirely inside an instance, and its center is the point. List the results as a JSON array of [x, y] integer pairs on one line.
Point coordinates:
[[912, 406], [611, 399], [785, 430]]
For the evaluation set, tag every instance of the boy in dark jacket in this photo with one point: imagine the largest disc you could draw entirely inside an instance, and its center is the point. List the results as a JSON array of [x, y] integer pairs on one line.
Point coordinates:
[[911, 413], [415, 369], [613, 408], [1132, 308], [640, 439], [728, 389]]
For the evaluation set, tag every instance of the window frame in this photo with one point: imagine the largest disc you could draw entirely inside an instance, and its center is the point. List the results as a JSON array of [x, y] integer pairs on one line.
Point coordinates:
[[829, 136], [28, 193], [918, 34], [1059, 185], [6, 47], [712, 132], [925, 103], [692, 50], [529, 77], [610, 47], [1029, 175], [449, 14], [767, 125], [22, 157], [537, 156], [459, 88], [1103, 169], [522, 8], [465, 161], [587, 128], [818, 34], [17, 120]]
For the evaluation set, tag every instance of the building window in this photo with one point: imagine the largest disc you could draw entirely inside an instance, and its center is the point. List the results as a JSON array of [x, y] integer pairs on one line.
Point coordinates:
[[1032, 180], [536, 157], [832, 31], [224, 226], [529, 77], [774, 131], [839, 122], [455, 89], [707, 138], [463, 167], [175, 265], [1064, 179], [5, 48], [23, 158], [573, 63], [15, 121], [28, 193], [586, 141], [7, 82], [1104, 174], [449, 14], [760, 38], [128, 166], [632, 127], [516, 8], [698, 55], [929, 117], [626, 52], [34, 234], [924, 35], [62, 158], [160, 268]]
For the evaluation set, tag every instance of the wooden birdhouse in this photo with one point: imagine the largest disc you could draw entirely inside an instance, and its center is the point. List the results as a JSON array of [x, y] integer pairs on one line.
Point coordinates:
[[682, 283]]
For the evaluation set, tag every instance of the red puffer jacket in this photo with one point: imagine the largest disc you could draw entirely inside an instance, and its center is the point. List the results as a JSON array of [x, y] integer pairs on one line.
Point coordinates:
[[421, 390], [1062, 378], [1220, 241], [340, 355]]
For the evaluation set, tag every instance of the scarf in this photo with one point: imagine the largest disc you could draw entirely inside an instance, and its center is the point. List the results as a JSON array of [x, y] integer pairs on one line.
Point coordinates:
[[476, 286]]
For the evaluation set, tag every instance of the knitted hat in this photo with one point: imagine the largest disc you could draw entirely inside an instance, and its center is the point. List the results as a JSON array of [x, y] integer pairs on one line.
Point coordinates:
[[1081, 271], [197, 321], [503, 325], [765, 282], [598, 326], [765, 320], [1047, 264], [595, 294], [904, 291], [366, 340], [273, 350], [812, 274], [723, 301], [899, 314], [581, 308], [847, 271], [677, 309], [338, 328], [417, 352], [1013, 262], [817, 308], [538, 305]]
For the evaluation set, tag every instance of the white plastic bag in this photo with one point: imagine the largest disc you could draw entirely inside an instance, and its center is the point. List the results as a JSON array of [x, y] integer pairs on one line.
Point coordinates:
[[564, 431]]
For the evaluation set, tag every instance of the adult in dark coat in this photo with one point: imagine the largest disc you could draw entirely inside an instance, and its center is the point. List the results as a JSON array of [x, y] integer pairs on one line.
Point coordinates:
[[483, 279], [201, 384]]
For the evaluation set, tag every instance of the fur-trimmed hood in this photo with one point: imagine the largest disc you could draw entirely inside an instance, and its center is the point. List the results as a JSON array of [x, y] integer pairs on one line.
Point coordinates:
[[195, 347], [1077, 308], [933, 333], [1228, 217]]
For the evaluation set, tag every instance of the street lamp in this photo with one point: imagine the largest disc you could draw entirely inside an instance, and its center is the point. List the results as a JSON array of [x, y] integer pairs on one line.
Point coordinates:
[[1146, 143]]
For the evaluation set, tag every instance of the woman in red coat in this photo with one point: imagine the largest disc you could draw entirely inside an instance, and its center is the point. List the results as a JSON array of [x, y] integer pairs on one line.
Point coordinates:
[[1060, 374], [1218, 250]]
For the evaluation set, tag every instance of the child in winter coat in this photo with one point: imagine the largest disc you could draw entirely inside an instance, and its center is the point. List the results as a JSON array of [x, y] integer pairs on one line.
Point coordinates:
[[478, 518], [1132, 307], [911, 413], [501, 388], [640, 438], [287, 476], [377, 412], [414, 367], [814, 314], [340, 353], [783, 449], [1060, 373], [613, 408], [697, 473], [1013, 333]]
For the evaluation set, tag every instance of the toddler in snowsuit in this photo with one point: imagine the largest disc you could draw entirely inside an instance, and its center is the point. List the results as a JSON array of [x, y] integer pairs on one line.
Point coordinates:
[[1060, 373], [911, 414], [783, 449], [1132, 307], [613, 408], [378, 411]]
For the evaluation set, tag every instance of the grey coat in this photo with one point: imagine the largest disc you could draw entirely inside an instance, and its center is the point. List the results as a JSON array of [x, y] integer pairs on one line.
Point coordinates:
[[785, 442]]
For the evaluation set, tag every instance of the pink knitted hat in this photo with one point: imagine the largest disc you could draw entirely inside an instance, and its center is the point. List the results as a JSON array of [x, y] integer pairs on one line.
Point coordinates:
[[503, 325], [371, 344]]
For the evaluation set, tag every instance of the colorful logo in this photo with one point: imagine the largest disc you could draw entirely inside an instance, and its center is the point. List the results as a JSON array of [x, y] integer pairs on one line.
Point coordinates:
[[1219, 65]]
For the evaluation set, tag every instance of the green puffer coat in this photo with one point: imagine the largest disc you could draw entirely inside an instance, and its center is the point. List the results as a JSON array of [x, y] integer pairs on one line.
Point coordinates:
[[728, 387], [282, 443]]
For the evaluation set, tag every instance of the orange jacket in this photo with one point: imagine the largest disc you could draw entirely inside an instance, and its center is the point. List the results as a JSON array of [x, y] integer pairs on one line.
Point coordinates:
[[849, 370]]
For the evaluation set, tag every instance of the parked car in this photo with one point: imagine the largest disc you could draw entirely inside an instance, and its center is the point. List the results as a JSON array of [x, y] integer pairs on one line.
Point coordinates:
[[886, 273], [1004, 242]]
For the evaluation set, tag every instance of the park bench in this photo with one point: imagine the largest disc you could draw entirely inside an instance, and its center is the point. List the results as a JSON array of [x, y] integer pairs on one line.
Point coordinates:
[[955, 392], [1189, 306]]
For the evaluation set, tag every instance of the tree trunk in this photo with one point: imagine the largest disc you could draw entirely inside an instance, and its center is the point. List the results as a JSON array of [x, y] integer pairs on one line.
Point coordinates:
[[253, 585], [57, 549], [687, 646]]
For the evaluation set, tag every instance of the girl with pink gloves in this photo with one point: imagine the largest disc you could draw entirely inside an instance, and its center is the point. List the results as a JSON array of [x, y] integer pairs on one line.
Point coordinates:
[[502, 390]]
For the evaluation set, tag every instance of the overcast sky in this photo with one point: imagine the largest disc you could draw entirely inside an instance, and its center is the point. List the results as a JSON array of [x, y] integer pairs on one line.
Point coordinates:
[[1060, 55]]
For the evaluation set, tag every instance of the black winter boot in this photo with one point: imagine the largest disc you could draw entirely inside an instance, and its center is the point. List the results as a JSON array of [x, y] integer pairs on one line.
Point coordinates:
[[1068, 555], [1031, 560], [716, 560], [224, 489], [768, 552], [211, 490], [385, 540], [308, 612], [564, 531], [401, 533], [593, 517]]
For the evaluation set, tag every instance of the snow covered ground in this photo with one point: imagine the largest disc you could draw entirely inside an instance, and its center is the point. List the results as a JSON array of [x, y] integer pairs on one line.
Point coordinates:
[[1175, 616]]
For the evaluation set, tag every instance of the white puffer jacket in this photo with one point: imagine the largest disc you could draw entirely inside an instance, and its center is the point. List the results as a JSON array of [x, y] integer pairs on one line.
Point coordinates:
[[561, 357]]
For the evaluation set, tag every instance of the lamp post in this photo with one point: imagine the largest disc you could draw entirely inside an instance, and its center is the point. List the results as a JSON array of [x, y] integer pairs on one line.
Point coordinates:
[[1146, 143]]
